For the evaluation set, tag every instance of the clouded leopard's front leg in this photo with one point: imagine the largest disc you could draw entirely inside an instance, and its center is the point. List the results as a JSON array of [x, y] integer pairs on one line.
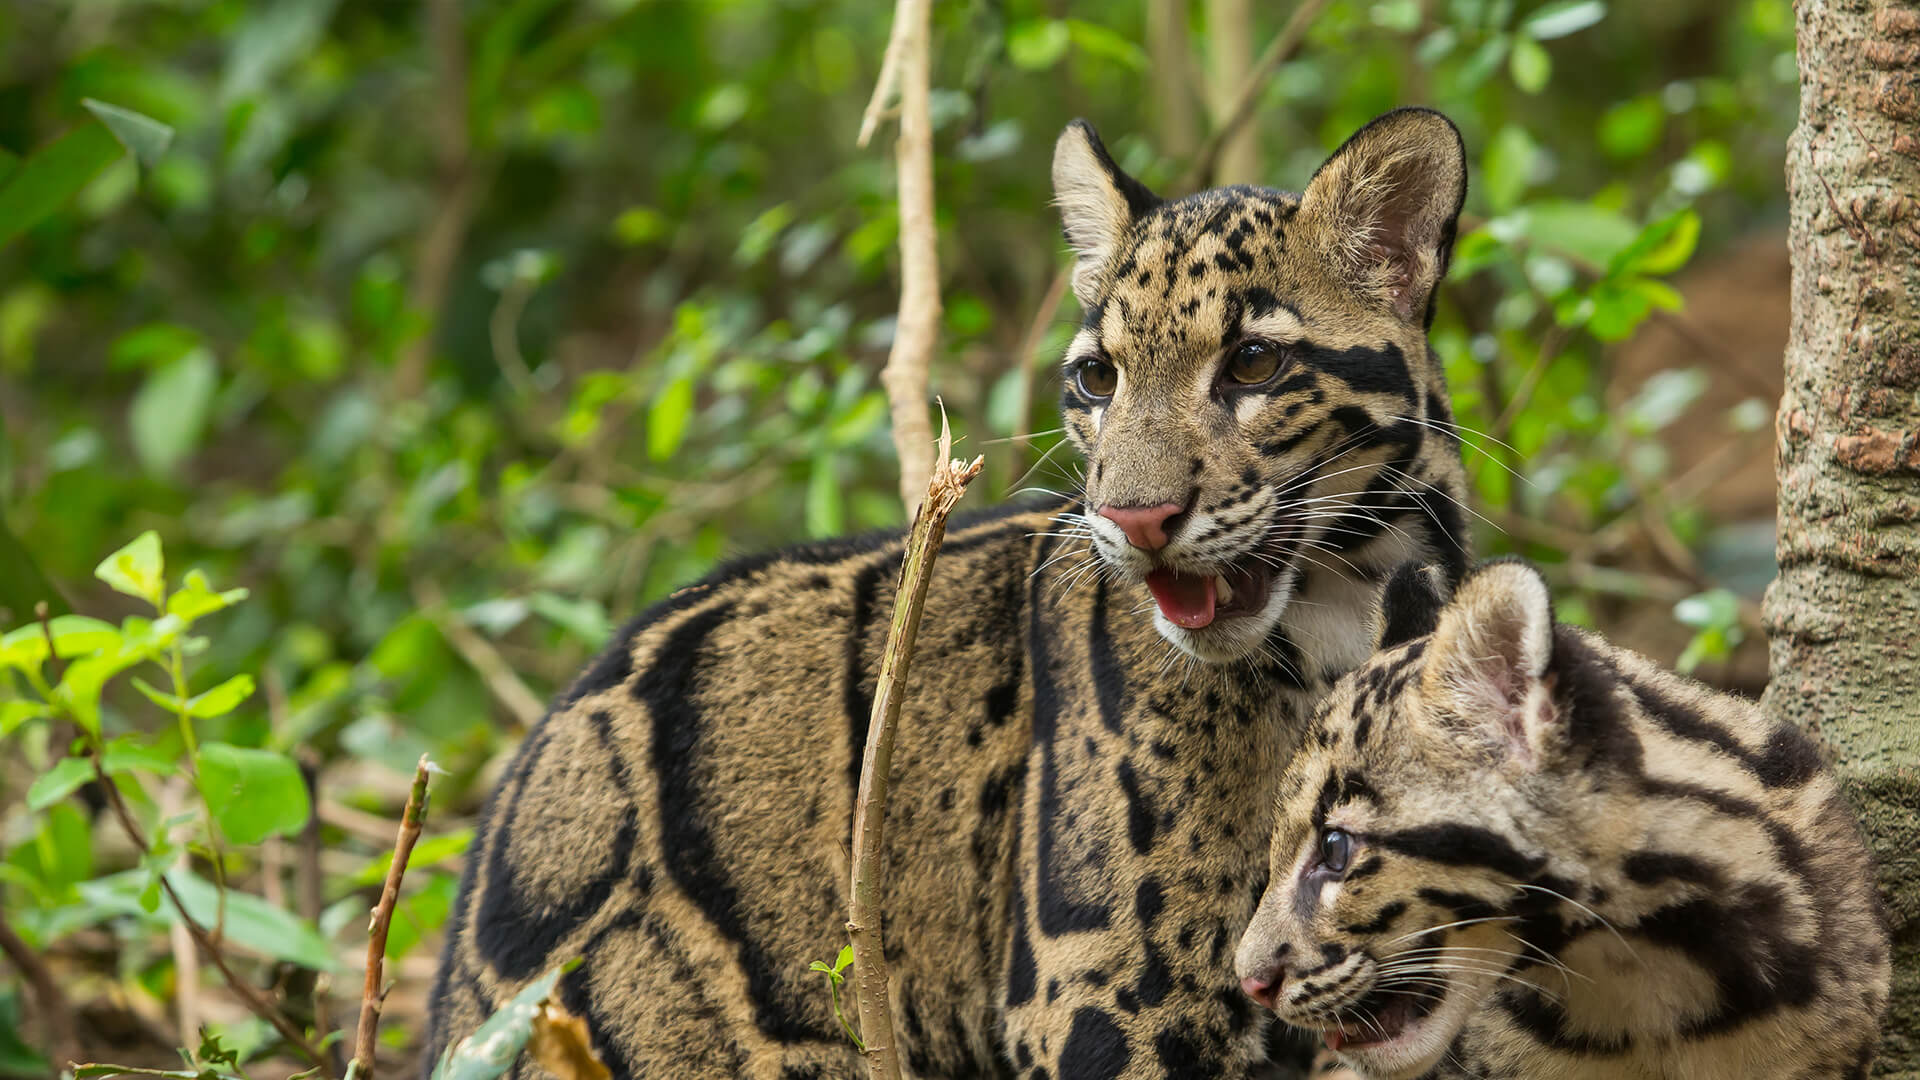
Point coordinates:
[[1145, 821]]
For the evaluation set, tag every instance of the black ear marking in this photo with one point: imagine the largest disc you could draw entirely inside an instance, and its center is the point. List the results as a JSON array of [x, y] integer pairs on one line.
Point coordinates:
[[1410, 603]]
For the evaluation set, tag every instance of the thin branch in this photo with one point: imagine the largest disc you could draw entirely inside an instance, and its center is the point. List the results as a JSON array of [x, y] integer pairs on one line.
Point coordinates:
[[883, 86], [917, 331], [479, 653], [56, 1012], [372, 995], [246, 991], [1284, 46], [948, 482], [446, 233]]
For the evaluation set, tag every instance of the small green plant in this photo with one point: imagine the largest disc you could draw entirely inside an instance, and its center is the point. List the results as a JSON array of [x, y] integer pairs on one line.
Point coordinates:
[[835, 977]]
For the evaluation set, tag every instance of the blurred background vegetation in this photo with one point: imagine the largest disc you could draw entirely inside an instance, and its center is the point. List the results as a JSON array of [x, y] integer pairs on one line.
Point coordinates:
[[456, 332]]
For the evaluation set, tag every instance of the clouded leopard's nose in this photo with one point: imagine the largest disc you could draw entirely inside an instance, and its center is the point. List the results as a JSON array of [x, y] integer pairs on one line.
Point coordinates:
[[1146, 526], [1260, 990]]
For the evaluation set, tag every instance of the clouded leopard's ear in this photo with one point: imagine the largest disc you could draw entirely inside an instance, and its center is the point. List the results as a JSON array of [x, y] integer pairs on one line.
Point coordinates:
[[1487, 664], [1098, 204], [1410, 604], [1386, 205]]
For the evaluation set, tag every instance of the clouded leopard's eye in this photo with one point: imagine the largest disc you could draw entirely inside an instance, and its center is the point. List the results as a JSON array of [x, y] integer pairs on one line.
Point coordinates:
[[1253, 362], [1097, 378], [1335, 849]]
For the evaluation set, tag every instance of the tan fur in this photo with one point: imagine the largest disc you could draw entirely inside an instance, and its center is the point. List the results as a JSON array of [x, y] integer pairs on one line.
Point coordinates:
[[1583, 868], [1061, 895]]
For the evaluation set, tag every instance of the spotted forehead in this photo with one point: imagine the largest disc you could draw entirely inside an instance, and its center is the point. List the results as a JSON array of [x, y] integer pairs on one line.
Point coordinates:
[[1193, 271]]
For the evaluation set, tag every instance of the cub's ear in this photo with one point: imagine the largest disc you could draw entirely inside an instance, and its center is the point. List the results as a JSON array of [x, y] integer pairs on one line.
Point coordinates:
[[1487, 663], [1098, 204], [1410, 604], [1385, 207]]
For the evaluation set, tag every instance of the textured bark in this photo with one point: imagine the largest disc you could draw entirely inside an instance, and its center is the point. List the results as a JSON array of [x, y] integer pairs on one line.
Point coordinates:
[[1844, 615]]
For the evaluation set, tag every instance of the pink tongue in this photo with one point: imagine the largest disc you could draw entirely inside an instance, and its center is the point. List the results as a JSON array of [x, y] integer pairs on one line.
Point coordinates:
[[1185, 601]]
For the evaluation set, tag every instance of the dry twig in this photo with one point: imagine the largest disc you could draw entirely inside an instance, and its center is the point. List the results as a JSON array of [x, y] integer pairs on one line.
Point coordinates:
[[917, 331], [948, 482], [372, 995], [248, 993]]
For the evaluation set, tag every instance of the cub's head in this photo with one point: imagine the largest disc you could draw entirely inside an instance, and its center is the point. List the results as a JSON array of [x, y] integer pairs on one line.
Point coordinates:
[[1252, 386], [1411, 858]]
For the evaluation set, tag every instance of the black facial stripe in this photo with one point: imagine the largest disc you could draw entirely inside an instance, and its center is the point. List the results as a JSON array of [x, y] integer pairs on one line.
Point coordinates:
[[1453, 844]]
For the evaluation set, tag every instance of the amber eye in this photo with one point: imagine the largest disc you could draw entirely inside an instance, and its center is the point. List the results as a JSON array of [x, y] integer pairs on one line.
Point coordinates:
[[1097, 378], [1253, 362], [1335, 849]]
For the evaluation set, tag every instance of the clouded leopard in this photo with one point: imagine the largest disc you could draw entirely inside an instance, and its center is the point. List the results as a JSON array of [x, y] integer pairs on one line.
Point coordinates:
[[1510, 850], [1103, 694]]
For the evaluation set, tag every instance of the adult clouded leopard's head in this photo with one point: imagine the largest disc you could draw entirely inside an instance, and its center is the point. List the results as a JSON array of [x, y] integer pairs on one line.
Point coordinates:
[[1252, 385]]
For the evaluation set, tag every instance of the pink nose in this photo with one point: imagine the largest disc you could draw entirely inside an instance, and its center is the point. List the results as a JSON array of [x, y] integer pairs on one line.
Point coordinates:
[[1259, 990], [1145, 526]]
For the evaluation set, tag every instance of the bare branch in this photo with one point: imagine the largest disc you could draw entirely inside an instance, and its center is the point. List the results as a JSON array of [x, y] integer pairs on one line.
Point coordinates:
[[1285, 45], [372, 995], [948, 483], [255, 1000], [917, 331], [501, 679]]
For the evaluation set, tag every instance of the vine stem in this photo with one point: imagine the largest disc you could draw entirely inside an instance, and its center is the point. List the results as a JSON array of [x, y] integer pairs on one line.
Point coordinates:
[[948, 482], [372, 994]]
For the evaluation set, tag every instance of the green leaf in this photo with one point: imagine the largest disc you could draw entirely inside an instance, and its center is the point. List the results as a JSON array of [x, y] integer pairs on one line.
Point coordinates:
[[73, 635], [222, 699], [1529, 65], [253, 922], [1593, 233], [845, 958], [1096, 40], [52, 175], [58, 782], [584, 618], [15, 713], [143, 136], [1508, 169], [128, 752], [428, 851], [170, 411], [667, 418], [1662, 247], [139, 569], [156, 695], [194, 598], [1563, 17], [492, 1049], [1038, 44], [1633, 127], [252, 794]]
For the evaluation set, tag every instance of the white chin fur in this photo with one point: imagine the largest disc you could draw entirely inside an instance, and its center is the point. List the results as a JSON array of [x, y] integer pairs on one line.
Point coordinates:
[[1224, 641]]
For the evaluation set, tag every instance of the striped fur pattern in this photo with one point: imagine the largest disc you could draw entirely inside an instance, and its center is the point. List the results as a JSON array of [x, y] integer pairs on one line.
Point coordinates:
[[1081, 792], [1511, 850]]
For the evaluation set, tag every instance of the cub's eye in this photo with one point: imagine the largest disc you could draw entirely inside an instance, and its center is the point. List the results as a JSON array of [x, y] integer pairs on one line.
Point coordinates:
[[1335, 849], [1253, 362], [1097, 378]]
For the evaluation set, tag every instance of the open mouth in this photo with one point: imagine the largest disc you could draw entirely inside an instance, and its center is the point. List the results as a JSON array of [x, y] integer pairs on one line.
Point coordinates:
[[1193, 600], [1380, 1017]]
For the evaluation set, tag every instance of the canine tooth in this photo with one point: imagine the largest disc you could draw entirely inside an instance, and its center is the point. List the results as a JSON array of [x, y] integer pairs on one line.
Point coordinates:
[[1225, 590]]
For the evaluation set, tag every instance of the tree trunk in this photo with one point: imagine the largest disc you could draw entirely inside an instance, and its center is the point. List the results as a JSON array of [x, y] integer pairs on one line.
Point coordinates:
[[1844, 614], [1170, 51], [1229, 61]]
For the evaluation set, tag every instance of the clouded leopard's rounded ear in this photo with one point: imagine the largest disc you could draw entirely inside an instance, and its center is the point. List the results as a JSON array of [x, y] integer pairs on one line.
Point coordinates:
[[1410, 604], [1487, 663], [1386, 205], [1098, 204]]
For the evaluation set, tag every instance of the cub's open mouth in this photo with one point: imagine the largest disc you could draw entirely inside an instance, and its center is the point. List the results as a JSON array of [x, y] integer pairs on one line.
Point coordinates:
[[1194, 600], [1380, 1017]]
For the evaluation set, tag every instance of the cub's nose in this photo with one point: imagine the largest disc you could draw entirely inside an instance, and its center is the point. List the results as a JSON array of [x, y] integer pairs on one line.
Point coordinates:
[[1260, 990], [1146, 526]]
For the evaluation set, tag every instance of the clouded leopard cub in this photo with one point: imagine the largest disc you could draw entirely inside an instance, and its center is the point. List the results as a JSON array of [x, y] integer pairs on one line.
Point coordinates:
[[1099, 683], [1511, 850]]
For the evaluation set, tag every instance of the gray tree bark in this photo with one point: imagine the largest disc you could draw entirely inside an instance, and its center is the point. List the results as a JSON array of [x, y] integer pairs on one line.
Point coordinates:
[[1843, 617]]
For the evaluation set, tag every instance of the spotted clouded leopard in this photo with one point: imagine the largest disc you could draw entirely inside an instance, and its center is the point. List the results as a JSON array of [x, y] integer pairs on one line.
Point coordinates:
[[1510, 850], [1103, 696]]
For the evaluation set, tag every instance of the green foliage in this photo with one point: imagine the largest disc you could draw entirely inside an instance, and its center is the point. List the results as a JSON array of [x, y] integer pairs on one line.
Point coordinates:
[[835, 977]]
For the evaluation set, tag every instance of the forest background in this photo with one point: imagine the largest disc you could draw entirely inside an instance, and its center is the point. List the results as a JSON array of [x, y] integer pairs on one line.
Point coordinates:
[[455, 333]]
